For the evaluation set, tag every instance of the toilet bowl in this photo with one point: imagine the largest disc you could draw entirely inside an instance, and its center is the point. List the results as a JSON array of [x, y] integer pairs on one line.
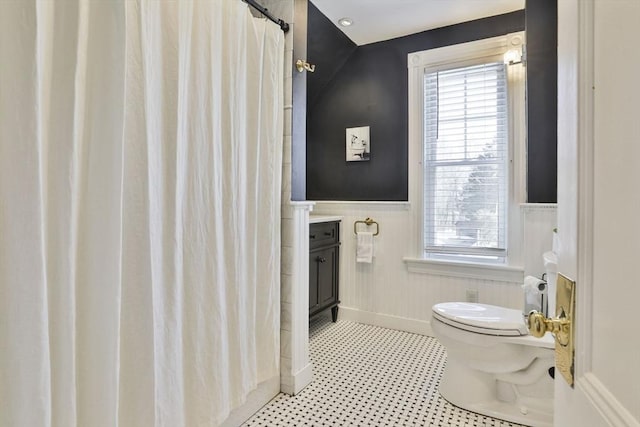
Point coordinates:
[[494, 367]]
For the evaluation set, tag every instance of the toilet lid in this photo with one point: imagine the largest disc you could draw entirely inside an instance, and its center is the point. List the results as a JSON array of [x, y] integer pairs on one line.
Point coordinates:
[[481, 318]]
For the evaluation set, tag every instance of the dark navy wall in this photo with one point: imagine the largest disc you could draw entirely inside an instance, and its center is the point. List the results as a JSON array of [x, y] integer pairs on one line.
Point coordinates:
[[369, 86], [330, 49], [542, 100], [371, 89]]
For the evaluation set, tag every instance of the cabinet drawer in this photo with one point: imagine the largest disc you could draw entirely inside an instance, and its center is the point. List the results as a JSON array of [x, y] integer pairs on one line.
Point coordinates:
[[323, 234]]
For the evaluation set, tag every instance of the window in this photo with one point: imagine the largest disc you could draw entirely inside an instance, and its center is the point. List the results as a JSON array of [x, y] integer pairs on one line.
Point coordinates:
[[467, 127], [465, 160]]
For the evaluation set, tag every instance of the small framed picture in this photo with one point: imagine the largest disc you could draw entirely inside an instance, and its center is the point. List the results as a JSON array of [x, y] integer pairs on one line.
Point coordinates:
[[358, 144]]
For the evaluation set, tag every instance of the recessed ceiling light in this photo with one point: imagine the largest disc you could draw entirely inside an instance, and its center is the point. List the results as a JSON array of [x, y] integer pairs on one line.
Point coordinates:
[[345, 22]]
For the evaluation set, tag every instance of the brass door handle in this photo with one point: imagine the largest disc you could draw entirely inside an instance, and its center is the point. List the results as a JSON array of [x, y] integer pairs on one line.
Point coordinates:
[[539, 324], [561, 326]]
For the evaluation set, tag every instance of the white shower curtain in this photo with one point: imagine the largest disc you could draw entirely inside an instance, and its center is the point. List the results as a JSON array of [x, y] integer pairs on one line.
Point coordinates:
[[140, 182]]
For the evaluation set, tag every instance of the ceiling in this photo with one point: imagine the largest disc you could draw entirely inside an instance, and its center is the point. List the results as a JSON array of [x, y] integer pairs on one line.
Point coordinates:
[[377, 20]]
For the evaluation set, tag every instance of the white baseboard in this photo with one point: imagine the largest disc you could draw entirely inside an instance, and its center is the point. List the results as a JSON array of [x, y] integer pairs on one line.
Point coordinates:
[[259, 397], [422, 327], [292, 385]]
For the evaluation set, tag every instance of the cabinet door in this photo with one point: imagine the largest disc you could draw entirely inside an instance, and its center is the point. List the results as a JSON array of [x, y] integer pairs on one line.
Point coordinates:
[[326, 261], [313, 280]]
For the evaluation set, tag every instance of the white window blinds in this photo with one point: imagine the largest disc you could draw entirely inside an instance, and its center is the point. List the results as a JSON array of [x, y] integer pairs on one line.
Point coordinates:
[[465, 160]]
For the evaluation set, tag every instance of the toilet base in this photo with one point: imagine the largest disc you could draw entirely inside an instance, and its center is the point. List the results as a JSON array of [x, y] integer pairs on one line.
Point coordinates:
[[480, 392]]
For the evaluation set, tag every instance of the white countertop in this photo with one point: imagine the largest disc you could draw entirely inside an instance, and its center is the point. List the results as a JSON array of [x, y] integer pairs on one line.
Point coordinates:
[[313, 219]]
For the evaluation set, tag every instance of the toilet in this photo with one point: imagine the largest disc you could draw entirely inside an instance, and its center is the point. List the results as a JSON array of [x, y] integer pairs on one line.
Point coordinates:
[[494, 367]]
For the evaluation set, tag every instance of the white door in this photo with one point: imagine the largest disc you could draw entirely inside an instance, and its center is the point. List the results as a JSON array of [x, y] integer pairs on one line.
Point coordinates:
[[599, 207]]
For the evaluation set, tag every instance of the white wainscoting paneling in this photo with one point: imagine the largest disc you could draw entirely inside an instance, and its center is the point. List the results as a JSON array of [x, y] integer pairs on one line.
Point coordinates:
[[539, 220], [385, 289]]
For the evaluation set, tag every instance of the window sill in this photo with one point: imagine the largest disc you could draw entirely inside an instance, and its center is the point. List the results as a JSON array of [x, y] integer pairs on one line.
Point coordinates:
[[498, 273]]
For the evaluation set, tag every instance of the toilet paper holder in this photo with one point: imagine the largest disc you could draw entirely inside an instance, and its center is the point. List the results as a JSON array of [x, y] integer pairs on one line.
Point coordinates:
[[535, 294]]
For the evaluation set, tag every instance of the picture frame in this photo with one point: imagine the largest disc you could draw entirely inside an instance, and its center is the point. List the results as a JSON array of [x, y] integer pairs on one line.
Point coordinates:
[[358, 144]]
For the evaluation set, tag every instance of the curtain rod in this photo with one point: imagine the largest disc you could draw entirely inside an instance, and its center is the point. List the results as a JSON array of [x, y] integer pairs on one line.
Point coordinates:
[[263, 10]]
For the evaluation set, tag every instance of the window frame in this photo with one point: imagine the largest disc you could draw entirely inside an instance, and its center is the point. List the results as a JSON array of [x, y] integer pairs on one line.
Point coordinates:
[[458, 56]]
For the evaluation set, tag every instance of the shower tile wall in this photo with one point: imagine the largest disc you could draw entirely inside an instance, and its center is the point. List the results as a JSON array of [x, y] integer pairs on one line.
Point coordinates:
[[295, 368]]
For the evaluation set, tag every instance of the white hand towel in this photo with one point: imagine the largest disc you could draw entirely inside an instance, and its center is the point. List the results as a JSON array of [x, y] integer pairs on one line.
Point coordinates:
[[364, 248]]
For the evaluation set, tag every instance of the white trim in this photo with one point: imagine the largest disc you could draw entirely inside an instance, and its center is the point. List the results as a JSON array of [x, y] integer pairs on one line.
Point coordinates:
[[497, 272], [293, 384], [517, 169], [360, 204], [415, 169], [421, 327], [533, 207], [585, 171], [466, 51], [259, 397], [295, 365], [315, 219], [605, 402], [301, 204]]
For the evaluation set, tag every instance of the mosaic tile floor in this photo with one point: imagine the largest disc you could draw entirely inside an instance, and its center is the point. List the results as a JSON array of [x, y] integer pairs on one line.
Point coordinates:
[[369, 376]]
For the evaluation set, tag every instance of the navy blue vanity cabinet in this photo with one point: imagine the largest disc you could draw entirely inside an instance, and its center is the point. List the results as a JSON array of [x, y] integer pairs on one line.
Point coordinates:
[[324, 255]]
